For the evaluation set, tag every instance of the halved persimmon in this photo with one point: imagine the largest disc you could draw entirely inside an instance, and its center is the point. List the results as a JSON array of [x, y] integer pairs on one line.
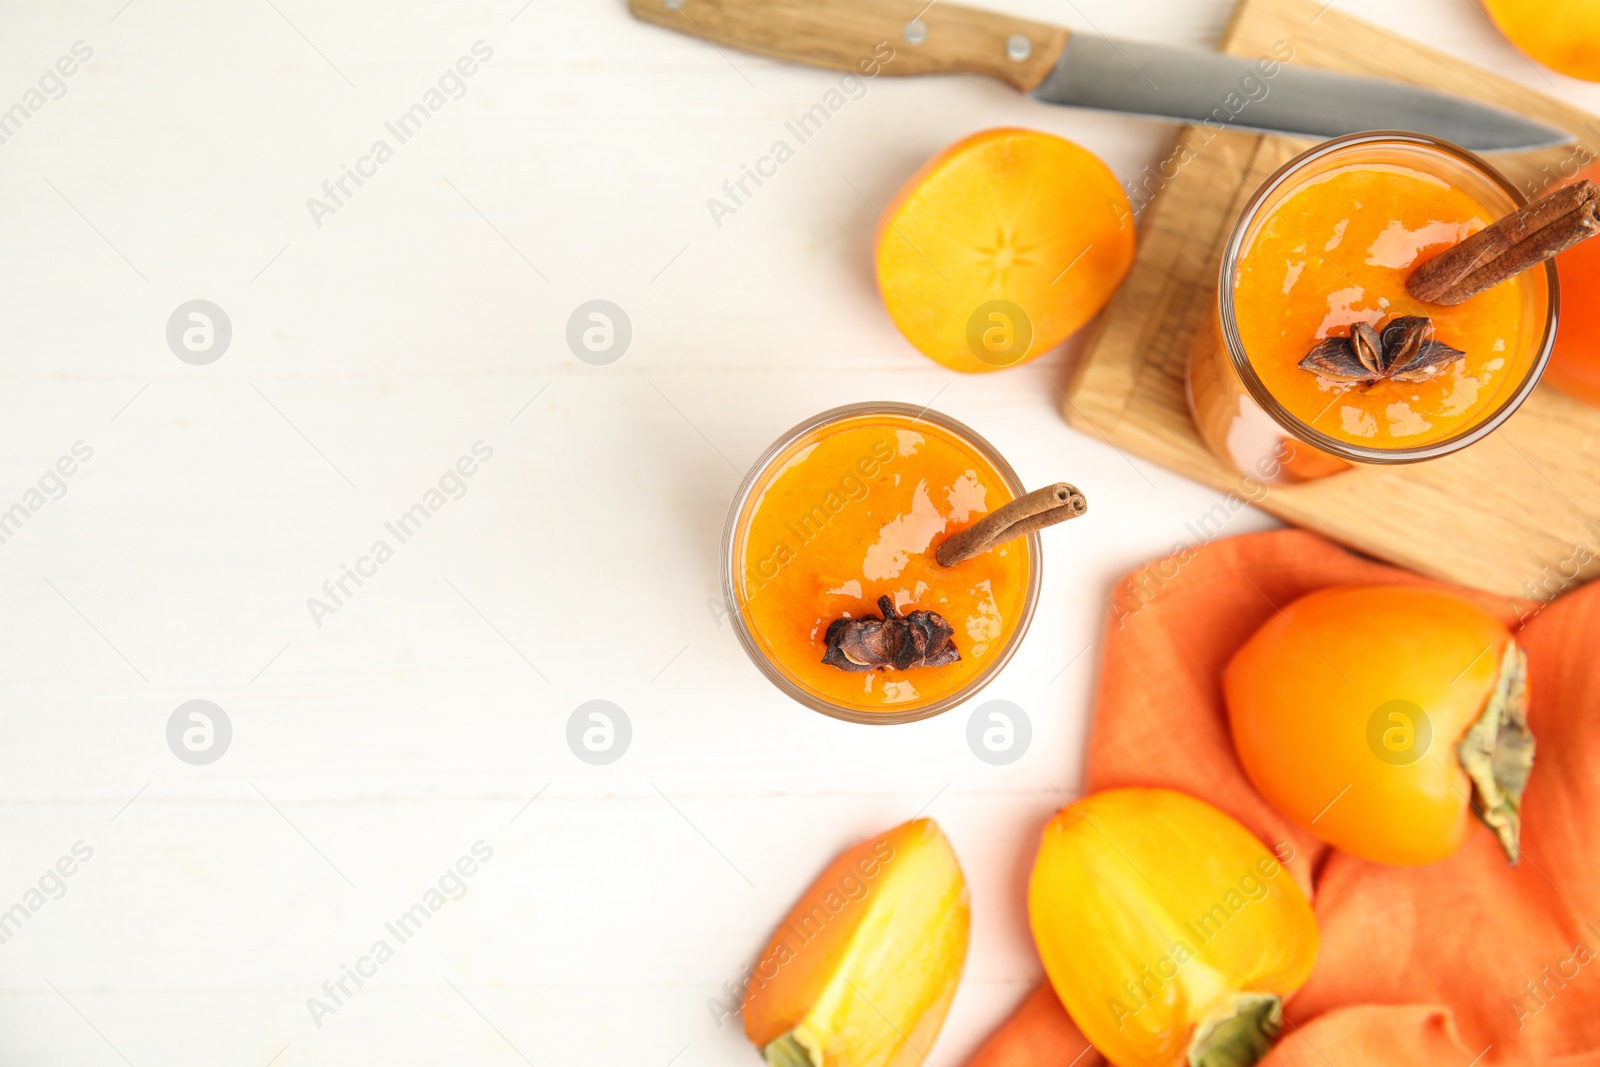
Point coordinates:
[[1170, 933], [1382, 718], [1001, 247], [1564, 35]]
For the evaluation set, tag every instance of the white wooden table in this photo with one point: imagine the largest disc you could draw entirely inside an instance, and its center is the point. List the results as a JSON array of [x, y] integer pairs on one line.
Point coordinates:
[[374, 342]]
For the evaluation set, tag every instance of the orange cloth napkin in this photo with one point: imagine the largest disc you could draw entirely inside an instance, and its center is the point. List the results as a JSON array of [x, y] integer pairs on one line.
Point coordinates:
[[1464, 962]]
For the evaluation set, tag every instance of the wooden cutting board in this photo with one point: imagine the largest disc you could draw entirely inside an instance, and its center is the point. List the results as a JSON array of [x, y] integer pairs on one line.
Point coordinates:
[[1518, 513]]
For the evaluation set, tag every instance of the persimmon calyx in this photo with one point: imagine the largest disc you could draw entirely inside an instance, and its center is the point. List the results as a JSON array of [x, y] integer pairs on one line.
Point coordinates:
[[1497, 753], [1239, 1034], [791, 1050]]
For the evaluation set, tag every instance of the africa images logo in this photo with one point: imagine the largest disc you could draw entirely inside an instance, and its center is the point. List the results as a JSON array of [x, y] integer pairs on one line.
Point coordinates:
[[450, 885], [451, 85]]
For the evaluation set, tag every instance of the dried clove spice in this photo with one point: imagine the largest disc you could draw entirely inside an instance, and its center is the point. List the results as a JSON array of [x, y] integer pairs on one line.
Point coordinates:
[[1403, 351], [901, 642]]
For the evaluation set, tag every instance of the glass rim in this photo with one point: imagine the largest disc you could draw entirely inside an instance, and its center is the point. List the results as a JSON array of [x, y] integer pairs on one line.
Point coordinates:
[[760, 657], [1291, 423]]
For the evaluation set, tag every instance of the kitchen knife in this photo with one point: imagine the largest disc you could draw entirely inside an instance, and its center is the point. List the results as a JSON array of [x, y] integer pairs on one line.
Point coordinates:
[[905, 37]]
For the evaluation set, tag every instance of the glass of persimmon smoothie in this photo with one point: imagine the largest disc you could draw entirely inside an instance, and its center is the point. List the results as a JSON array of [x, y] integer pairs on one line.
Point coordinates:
[[1317, 357], [838, 523]]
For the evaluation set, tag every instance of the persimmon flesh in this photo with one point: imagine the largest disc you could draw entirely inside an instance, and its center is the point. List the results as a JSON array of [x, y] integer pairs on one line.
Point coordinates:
[[1170, 933], [862, 970], [1001, 247], [1564, 35], [1379, 718]]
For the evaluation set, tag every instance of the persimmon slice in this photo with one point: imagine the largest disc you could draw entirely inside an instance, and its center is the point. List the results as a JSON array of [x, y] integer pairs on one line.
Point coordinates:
[[1564, 35], [863, 969], [1001, 247]]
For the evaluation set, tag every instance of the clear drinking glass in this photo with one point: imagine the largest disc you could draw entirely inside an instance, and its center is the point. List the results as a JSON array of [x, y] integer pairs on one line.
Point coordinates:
[[786, 670], [1238, 416]]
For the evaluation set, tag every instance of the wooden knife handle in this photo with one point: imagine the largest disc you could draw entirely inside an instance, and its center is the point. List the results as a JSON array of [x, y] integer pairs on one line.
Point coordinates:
[[871, 36]]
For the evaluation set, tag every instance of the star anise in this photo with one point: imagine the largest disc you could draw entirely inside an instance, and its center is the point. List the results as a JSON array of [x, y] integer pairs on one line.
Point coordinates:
[[1403, 351], [873, 643]]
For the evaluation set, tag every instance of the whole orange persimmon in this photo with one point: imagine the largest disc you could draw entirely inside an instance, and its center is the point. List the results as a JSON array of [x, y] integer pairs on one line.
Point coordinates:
[[1575, 361], [1379, 718], [1564, 35]]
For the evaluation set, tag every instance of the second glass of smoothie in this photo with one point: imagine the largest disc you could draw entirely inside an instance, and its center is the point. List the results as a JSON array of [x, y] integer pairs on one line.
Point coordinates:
[[1324, 249]]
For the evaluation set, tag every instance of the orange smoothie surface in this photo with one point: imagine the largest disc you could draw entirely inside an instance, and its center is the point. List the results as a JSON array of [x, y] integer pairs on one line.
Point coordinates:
[[852, 513], [1337, 252]]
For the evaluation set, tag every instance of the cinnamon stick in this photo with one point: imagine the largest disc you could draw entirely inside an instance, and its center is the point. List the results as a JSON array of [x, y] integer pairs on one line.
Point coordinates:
[[1033, 511], [1525, 238]]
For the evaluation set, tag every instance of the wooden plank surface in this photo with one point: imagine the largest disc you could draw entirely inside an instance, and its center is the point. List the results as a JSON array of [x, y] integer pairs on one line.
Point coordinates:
[[1518, 513], [378, 346]]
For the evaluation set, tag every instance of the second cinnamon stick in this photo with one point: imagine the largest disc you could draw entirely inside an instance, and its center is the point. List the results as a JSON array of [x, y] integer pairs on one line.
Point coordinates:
[[1030, 512]]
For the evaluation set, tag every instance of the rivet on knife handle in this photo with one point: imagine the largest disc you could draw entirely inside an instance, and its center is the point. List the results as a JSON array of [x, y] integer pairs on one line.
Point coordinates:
[[871, 37]]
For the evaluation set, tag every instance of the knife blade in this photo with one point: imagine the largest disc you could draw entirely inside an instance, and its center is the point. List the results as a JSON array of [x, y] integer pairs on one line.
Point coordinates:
[[1209, 87], [911, 37]]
